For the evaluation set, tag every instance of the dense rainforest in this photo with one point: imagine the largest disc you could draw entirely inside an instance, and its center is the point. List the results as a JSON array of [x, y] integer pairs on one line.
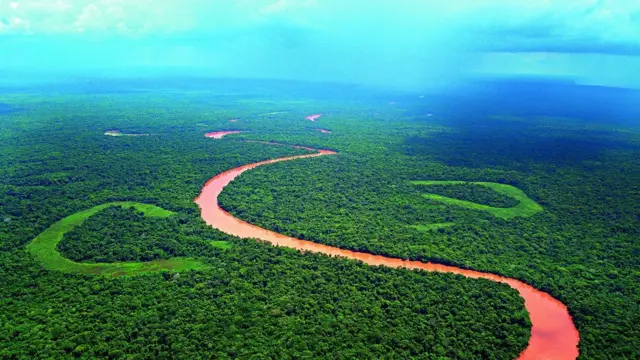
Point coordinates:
[[258, 301], [252, 300]]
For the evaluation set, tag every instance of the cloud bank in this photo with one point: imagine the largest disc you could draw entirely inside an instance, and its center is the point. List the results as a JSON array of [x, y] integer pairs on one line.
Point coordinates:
[[399, 42]]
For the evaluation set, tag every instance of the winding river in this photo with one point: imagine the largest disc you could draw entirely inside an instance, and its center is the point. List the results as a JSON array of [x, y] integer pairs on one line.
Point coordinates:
[[553, 333]]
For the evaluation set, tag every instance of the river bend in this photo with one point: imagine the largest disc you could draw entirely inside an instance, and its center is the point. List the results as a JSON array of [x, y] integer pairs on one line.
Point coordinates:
[[553, 333]]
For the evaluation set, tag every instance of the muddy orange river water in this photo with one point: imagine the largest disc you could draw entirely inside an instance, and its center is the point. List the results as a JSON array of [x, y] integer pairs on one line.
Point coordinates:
[[553, 333], [220, 134], [313, 117]]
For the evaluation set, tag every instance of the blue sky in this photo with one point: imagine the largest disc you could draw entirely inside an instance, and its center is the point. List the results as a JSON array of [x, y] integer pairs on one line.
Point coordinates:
[[401, 43]]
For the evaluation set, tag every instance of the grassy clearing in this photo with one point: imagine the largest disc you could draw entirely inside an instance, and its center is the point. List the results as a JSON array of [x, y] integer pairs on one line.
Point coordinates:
[[525, 208], [224, 245], [45, 247]]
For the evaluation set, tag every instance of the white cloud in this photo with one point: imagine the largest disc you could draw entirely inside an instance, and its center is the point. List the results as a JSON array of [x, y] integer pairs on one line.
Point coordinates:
[[14, 25], [277, 6], [280, 6], [490, 23], [106, 17]]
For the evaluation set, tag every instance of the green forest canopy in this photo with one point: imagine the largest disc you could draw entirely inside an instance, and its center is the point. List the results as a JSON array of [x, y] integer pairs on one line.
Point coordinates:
[[581, 249]]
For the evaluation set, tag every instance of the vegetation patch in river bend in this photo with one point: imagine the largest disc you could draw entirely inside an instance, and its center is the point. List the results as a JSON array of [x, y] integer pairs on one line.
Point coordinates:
[[524, 207], [126, 234], [469, 191], [44, 247]]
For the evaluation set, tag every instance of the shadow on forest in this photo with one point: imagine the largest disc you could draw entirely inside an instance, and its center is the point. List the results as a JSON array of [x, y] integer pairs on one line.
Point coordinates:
[[510, 145], [7, 109]]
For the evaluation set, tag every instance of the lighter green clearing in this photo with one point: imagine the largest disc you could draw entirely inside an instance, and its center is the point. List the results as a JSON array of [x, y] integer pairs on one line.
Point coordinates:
[[224, 245], [525, 208], [45, 247]]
